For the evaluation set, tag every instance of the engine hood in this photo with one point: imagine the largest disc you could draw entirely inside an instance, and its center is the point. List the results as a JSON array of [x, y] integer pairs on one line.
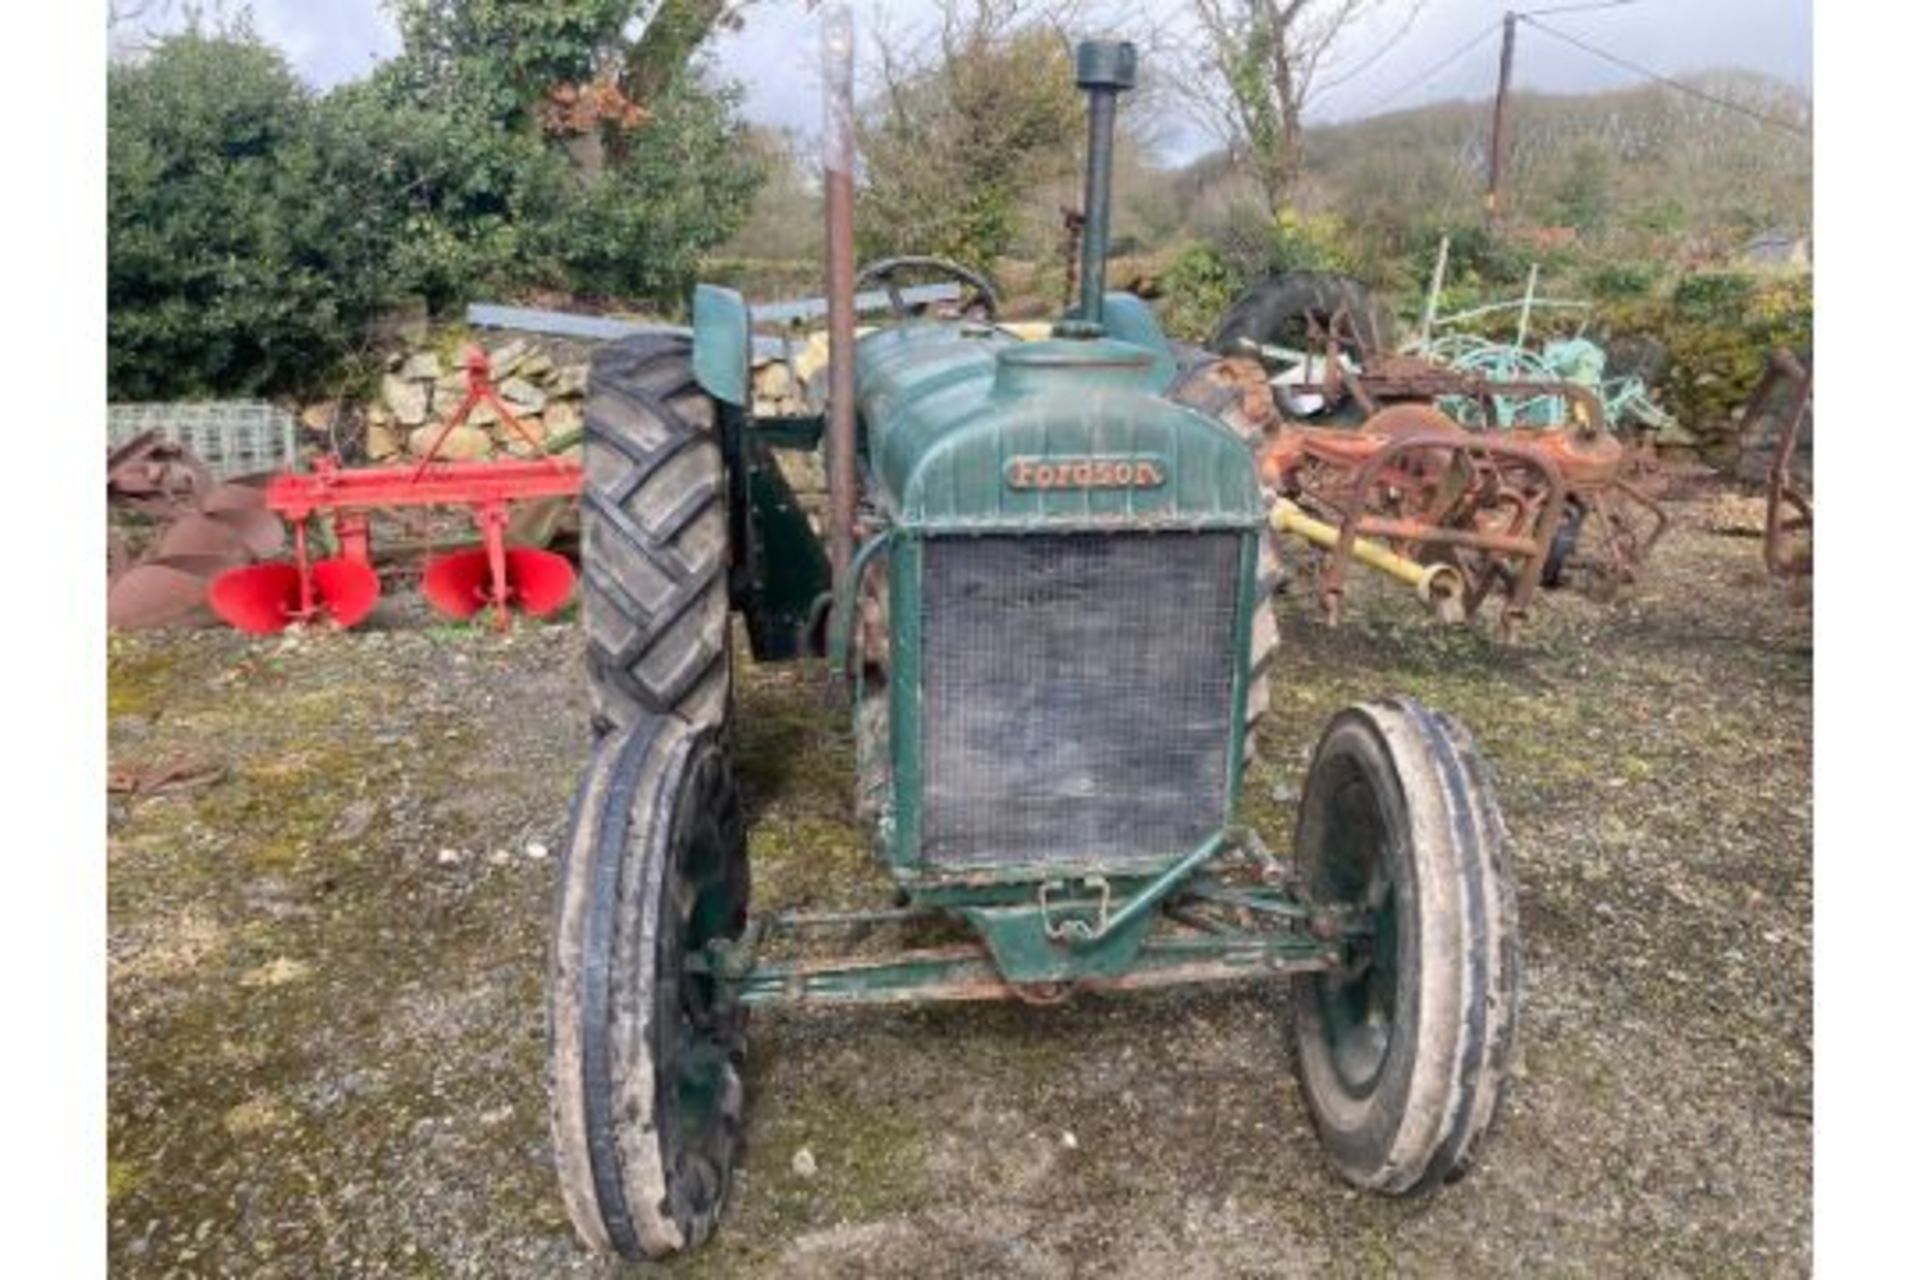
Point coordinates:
[[971, 429]]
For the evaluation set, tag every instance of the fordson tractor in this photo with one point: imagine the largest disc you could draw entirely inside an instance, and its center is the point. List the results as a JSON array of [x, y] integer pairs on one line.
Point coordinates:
[[1052, 633]]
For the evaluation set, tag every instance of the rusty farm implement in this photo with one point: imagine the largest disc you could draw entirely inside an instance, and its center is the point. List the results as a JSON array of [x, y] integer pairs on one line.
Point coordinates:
[[343, 587], [1776, 440], [202, 527], [1491, 476]]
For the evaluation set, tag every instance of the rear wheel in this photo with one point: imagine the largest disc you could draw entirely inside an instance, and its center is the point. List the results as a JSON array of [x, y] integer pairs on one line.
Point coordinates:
[[654, 553], [645, 1053], [1402, 1055], [1283, 309]]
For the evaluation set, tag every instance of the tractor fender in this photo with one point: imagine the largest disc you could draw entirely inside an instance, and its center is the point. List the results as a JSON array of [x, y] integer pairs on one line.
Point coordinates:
[[722, 345]]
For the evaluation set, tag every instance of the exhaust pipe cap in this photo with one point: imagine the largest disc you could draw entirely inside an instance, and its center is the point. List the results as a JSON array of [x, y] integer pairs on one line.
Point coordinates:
[[1104, 64]]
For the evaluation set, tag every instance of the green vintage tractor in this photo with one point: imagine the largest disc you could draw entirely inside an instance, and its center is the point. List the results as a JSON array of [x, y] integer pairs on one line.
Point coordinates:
[[1050, 631]]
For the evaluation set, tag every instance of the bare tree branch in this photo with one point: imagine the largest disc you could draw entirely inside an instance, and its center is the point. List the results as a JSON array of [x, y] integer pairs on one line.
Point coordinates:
[[1255, 66], [123, 11], [1380, 50]]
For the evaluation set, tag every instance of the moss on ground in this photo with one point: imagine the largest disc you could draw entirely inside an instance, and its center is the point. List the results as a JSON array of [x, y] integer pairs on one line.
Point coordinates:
[[326, 1040]]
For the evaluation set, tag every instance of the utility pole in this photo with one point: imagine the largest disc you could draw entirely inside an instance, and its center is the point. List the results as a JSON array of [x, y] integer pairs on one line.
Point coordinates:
[[1497, 150]]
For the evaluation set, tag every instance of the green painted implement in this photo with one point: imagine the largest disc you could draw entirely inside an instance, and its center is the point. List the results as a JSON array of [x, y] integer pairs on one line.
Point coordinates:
[[1054, 634]]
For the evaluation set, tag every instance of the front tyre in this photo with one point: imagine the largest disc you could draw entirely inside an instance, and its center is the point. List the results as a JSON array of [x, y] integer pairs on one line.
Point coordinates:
[[1402, 1055], [645, 1053]]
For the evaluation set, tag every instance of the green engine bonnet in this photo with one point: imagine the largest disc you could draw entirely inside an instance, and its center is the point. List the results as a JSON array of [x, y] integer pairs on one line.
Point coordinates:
[[971, 429]]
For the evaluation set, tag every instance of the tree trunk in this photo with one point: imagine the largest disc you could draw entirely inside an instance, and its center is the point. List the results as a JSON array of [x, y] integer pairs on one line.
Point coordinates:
[[1280, 169], [656, 58], [1291, 161], [662, 50], [588, 152]]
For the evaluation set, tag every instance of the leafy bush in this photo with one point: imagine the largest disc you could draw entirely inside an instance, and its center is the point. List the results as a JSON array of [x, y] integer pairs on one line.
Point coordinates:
[[449, 198], [1662, 216], [1717, 329], [638, 229], [1197, 289], [230, 269], [1318, 243], [1584, 196], [511, 191], [1477, 256], [254, 229], [1241, 235], [1713, 297], [958, 142], [1612, 281]]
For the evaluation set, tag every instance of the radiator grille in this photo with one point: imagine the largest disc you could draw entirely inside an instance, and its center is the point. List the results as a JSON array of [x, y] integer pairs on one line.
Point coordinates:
[[1077, 693]]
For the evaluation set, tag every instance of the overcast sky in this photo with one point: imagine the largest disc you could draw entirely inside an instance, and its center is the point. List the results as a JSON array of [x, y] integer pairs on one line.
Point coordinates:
[[774, 55]]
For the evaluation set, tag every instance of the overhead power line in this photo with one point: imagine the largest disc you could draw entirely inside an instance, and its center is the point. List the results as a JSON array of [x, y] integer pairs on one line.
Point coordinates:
[[1381, 48], [1577, 8], [1761, 116], [1435, 69]]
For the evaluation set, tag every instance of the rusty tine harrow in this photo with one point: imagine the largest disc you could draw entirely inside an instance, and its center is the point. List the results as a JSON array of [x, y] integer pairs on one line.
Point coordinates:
[[1458, 516], [344, 588]]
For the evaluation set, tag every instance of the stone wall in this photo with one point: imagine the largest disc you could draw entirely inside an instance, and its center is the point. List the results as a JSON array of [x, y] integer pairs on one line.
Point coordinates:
[[543, 383]]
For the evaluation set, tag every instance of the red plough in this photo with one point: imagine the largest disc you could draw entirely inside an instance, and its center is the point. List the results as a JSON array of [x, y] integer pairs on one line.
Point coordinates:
[[344, 588]]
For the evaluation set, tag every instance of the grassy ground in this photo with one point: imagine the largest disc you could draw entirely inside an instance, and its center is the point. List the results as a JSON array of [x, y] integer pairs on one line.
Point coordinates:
[[326, 972]]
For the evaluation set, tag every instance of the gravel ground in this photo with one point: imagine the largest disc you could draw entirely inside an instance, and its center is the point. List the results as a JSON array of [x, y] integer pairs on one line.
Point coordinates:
[[326, 969]]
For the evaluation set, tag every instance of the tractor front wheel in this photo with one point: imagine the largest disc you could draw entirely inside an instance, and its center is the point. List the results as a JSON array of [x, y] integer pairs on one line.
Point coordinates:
[[645, 1049], [1402, 1054]]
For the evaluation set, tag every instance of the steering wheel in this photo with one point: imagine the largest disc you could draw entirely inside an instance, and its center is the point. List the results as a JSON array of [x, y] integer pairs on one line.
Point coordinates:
[[981, 302]]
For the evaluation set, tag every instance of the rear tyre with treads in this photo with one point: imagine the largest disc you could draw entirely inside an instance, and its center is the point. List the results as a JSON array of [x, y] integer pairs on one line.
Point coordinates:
[[654, 540], [1282, 309]]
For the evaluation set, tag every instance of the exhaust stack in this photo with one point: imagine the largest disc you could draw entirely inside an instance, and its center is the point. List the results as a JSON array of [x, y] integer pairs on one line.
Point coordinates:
[[1105, 69], [837, 65]]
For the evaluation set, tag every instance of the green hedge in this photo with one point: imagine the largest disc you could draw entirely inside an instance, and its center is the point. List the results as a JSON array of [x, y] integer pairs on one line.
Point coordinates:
[[255, 229]]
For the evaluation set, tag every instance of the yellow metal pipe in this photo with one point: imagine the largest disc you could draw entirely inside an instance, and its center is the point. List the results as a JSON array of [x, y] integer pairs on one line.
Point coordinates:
[[1440, 586]]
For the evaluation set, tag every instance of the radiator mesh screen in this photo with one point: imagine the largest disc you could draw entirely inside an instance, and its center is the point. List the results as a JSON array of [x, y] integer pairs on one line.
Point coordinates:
[[1077, 694]]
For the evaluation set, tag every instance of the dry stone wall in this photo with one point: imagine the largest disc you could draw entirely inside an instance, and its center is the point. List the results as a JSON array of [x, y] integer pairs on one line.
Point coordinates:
[[542, 381]]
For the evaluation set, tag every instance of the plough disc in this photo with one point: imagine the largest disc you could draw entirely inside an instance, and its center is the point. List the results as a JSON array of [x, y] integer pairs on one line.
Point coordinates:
[[265, 598], [242, 509], [461, 584], [202, 535], [346, 590], [162, 592], [259, 599]]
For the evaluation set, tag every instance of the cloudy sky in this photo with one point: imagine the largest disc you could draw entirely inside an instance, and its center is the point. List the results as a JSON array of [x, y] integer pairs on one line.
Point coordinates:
[[774, 53]]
